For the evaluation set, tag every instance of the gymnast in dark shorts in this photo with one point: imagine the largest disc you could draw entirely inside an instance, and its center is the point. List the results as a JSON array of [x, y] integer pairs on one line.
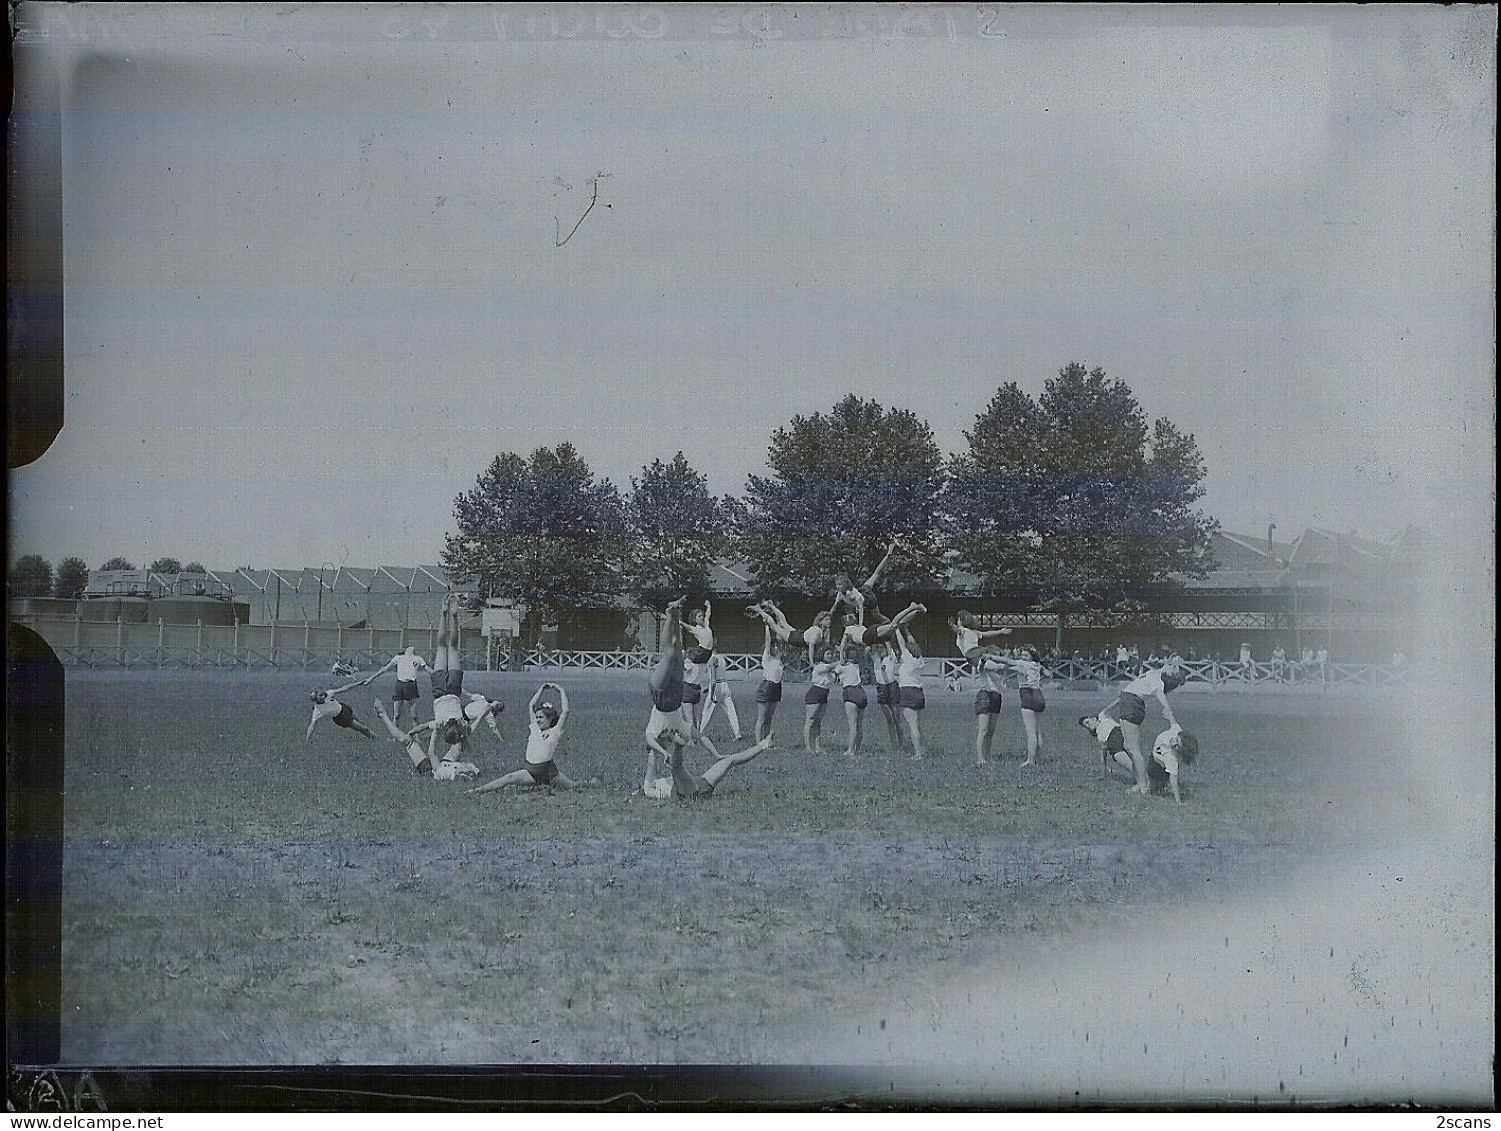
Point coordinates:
[[669, 695], [988, 702], [909, 685], [1132, 709], [327, 706], [816, 700]]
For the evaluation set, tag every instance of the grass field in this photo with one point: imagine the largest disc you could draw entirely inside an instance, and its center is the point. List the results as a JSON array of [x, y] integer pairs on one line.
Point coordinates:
[[235, 895]]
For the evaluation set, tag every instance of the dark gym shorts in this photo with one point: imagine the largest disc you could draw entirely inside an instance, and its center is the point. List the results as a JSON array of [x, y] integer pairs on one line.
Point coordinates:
[[345, 716], [987, 702], [1032, 700], [913, 698], [543, 772], [692, 694], [446, 682], [816, 695], [769, 692], [883, 694], [857, 696], [1133, 708], [667, 699], [406, 689], [700, 655]]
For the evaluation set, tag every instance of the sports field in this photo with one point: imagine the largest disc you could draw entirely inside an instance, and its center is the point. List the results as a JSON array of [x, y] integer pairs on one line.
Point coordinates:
[[236, 895]]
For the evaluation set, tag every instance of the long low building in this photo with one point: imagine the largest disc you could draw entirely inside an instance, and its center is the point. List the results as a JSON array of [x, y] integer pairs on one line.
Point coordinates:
[[1323, 589]]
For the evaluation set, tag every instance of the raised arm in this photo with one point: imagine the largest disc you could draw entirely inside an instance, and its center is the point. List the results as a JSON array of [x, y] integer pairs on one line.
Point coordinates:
[[562, 704], [349, 686], [531, 708], [310, 726], [378, 672]]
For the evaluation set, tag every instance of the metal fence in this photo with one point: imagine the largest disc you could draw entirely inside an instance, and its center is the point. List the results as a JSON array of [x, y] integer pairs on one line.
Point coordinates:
[[125, 644]]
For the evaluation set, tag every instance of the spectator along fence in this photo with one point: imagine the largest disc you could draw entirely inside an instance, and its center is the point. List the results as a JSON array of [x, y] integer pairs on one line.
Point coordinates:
[[314, 647]]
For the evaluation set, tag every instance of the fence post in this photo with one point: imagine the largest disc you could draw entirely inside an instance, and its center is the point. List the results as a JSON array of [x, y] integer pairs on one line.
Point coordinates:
[[77, 629], [119, 639], [237, 642], [199, 658], [340, 639], [307, 637], [161, 629], [275, 657]]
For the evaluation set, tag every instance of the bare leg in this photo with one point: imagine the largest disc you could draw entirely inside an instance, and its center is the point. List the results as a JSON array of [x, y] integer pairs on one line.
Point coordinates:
[[813, 728], [731, 712], [702, 739], [893, 728], [1132, 734], [1034, 739], [783, 629], [984, 735], [683, 784], [360, 728], [855, 723], [916, 729], [764, 714], [515, 777], [715, 773]]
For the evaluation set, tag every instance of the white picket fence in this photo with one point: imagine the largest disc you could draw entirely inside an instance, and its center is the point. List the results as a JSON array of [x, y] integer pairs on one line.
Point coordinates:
[[110, 644]]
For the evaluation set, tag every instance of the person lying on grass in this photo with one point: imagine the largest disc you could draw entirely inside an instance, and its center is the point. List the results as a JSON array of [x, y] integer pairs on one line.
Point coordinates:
[[547, 723], [326, 705], [425, 761], [685, 785], [1174, 748]]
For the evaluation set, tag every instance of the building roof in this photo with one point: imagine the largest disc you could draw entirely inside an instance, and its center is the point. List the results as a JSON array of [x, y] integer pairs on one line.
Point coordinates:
[[1316, 558]]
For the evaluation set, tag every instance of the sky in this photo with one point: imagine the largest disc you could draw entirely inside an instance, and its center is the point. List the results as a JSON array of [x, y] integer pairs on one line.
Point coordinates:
[[312, 279]]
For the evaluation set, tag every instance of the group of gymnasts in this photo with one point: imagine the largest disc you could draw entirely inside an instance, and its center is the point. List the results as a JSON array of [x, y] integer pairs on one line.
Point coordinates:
[[685, 686], [688, 682]]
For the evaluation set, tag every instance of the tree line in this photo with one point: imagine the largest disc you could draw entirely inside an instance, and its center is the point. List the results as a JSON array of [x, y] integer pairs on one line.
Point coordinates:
[[32, 575], [1072, 499]]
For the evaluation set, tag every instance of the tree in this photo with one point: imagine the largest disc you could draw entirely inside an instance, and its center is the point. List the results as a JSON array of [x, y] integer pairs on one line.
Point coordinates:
[[842, 485], [195, 567], [72, 578], [539, 531], [30, 576], [166, 565], [1074, 499], [118, 563], [676, 529]]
